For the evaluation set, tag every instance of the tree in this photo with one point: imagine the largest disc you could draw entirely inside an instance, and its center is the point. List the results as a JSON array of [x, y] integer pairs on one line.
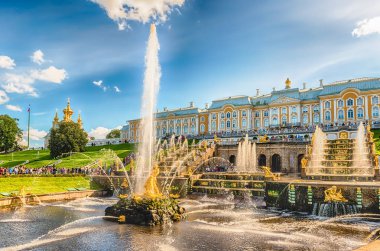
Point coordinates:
[[10, 133], [67, 137], [115, 133]]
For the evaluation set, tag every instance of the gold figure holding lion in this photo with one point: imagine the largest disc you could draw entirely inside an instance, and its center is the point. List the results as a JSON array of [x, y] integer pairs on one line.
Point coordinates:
[[334, 195]]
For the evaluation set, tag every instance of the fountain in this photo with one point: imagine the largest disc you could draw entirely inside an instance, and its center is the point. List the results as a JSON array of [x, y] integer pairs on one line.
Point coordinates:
[[246, 157]]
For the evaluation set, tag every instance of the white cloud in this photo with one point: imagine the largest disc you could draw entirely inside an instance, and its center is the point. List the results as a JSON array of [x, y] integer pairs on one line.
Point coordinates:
[[122, 11], [20, 84], [367, 27], [7, 63], [35, 134], [99, 84], [99, 132], [14, 108], [38, 57], [51, 74], [3, 97], [116, 89]]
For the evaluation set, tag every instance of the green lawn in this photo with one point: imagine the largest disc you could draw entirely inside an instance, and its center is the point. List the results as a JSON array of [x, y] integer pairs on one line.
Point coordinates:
[[376, 138], [44, 185], [39, 158]]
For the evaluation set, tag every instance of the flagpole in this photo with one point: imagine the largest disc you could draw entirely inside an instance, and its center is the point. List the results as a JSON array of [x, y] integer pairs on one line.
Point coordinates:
[[28, 125]]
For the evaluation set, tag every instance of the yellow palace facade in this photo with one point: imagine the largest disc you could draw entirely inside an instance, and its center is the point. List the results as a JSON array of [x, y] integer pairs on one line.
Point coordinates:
[[339, 103]]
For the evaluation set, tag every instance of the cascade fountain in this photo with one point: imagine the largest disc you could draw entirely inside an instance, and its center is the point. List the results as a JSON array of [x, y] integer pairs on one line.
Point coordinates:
[[246, 157], [317, 154], [361, 160]]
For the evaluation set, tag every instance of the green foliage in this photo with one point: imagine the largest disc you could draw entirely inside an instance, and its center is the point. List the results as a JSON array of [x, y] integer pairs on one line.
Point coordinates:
[[115, 133], [10, 133], [376, 138], [67, 137]]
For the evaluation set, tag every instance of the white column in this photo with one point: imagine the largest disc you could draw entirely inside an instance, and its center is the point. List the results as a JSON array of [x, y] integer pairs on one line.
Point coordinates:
[[321, 117], [366, 107]]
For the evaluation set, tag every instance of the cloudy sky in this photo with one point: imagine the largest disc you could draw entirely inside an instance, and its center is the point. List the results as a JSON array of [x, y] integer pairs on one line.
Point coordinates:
[[93, 52]]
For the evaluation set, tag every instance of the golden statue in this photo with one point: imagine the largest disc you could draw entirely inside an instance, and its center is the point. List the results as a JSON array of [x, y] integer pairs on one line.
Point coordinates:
[[334, 195], [216, 139], [125, 183], [151, 188], [304, 162], [263, 139], [288, 83], [269, 174], [376, 159]]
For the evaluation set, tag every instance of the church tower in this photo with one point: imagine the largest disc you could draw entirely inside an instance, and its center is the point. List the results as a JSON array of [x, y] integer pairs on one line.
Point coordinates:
[[55, 120], [80, 123], [67, 112]]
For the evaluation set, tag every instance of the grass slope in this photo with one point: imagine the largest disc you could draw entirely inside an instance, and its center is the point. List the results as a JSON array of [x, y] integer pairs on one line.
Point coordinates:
[[44, 185], [376, 138], [39, 158]]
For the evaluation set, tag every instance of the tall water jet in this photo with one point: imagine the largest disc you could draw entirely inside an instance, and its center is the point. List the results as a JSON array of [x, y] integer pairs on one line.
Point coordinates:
[[361, 158], [148, 106], [246, 157], [318, 151]]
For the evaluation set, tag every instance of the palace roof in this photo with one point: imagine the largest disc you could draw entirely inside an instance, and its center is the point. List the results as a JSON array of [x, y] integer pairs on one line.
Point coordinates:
[[234, 100], [178, 112], [362, 84]]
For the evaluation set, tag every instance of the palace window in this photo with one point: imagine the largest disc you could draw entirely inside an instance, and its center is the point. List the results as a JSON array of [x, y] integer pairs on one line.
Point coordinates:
[[360, 113], [222, 115], [178, 121], [178, 130], [284, 120], [234, 123], [275, 121], [305, 109], [327, 104], [305, 119], [193, 129], [350, 102], [222, 125], [213, 125], [228, 124], [294, 120], [257, 114], [171, 130], [163, 131], [234, 114], [193, 120], [375, 111], [340, 103], [185, 130], [202, 119], [266, 122], [375, 100], [316, 108], [266, 113], [185, 121], [132, 134], [244, 113], [137, 134], [350, 114], [228, 115], [214, 116], [283, 110], [294, 109], [244, 122], [275, 111], [202, 128], [257, 123], [359, 101], [327, 115], [340, 114], [316, 118]]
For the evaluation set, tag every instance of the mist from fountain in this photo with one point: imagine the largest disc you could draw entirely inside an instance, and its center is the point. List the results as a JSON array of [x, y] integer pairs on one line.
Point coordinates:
[[148, 106], [317, 154], [361, 155], [246, 157]]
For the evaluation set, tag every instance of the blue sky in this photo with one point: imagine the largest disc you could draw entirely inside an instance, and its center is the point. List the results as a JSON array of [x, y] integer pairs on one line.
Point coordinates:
[[209, 49]]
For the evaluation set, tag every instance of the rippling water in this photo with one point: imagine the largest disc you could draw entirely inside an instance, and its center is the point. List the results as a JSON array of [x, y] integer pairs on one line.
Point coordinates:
[[212, 224]]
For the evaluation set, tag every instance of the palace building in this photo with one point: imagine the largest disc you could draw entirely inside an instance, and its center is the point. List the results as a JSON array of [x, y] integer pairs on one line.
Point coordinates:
[[339, 103], [67, 117]]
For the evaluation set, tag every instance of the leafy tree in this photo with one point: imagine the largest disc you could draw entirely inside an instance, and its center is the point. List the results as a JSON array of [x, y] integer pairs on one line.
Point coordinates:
[[67, 137], [115, 133], [92, 138], [10, 133]]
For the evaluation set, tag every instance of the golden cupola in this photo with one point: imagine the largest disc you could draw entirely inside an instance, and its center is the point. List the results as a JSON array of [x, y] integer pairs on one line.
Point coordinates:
[[67, 112], [55, 120], [80, 122], [288, 83]]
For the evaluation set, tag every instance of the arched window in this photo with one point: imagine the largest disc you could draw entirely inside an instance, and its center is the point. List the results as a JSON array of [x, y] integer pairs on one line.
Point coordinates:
[[222, 115], [305, 119], [163, 131], [228, 115], [375, 111], [244, 122], [228, 124], [350, 114], [327, 115], [214, 116], [360, 113], [294, 120], [340, 103], [185, 121], [283, 111], [375, 100], [266, 113], [178, 121], [350, 102], [316, 118], [340, 114], [359, 101], [171, 130], [202, 128], [244, 113], [305, 109], [222, 125], [202, 119], [283, 121], [316, 108], [257, 123], [327, 104], [193, 120], [213, 125], [274, 111], [257, 114], [234, 114], [178, 131], [234, 124], [275, 121], [192, 129], [294, 109], [266, 122]]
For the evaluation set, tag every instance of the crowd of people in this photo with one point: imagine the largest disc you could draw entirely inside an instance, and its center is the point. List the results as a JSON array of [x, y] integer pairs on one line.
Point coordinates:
[[49, 170]]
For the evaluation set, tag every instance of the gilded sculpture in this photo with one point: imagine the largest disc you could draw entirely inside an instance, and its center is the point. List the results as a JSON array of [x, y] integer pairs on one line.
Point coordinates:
[[151, 188], [332, 194]]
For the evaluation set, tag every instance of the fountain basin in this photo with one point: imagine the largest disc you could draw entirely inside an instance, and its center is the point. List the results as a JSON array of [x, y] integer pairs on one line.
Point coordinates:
[[145, 211]]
